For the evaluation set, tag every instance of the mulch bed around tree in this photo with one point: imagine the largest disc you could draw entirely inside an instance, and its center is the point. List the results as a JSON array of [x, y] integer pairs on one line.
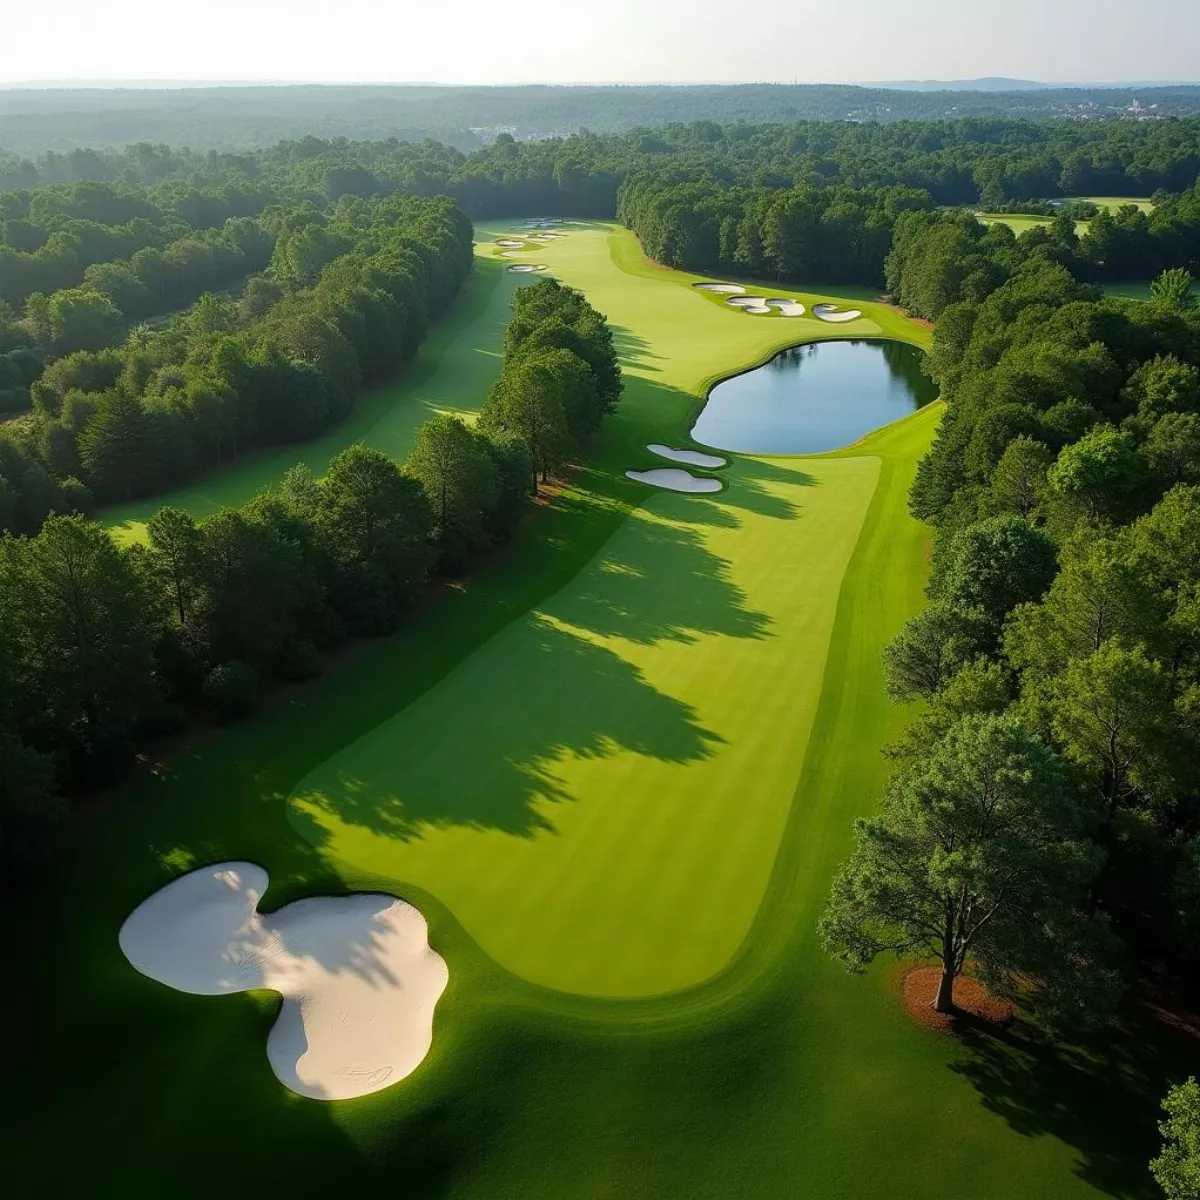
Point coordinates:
[[977, 1007]]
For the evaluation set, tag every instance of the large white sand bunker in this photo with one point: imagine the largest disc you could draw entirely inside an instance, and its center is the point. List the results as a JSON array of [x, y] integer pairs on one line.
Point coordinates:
[[358, 978], [523, 268], [694, 458], [722, 289], [831, 312], [788, 308], [675, 479], [509, 242]]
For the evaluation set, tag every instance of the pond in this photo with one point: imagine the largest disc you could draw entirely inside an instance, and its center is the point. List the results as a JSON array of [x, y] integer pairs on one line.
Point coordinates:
[[815, 398]]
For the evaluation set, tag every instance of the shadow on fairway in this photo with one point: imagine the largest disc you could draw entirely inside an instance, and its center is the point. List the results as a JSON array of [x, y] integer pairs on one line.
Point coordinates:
[[483, 748], [634, 351], [663, 584], [1101, 1096], [484, 752]]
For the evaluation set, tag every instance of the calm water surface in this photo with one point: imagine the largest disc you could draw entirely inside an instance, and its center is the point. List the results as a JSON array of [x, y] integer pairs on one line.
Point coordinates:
[[815, 398]]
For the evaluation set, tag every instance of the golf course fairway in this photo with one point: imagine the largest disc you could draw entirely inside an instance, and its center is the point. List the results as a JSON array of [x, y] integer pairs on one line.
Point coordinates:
[[615, 772]]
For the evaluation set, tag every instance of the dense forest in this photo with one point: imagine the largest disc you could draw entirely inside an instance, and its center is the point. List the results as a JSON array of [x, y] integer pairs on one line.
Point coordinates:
[[103, 647], [231, 118], [328, 302], [961, 161]]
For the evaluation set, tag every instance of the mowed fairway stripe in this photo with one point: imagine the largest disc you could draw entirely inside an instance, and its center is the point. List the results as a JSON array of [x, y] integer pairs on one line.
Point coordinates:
[[598, 792]]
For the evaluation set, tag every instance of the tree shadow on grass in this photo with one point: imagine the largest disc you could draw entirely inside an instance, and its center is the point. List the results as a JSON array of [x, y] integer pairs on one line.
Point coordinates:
[[1100, 1096], [662, 584], [634, 351], [482, 750]]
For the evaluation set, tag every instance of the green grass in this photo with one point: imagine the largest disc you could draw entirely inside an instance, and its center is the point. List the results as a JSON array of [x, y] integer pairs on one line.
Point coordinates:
[[622, 631], [1112, 203], [1020, 222]]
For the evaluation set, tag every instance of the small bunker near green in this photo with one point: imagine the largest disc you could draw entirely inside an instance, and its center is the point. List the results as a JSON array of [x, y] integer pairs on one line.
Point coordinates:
[[694, 458], [675, 479]]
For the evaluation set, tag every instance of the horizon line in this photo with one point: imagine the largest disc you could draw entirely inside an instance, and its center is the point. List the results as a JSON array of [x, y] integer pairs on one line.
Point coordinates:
[[147, 84]]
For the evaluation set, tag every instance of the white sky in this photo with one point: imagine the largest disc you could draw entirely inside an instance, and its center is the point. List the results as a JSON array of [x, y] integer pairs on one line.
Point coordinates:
[[565, 41]]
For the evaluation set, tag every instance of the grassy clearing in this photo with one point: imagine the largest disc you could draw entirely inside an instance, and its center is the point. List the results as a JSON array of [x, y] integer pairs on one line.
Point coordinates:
[[1112, 203], [778, 1075]]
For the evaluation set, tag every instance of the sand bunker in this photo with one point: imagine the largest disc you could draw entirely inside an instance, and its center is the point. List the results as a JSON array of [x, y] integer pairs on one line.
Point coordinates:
[[750, 304], [519, 268], [674, 479], [509, 242], [358, 979], [788, 308], [722, 289], [695, 458], [830, 312]]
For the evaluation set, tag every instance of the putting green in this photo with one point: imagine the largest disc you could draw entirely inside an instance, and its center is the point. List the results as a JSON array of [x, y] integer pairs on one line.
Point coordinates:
[[598, 794]]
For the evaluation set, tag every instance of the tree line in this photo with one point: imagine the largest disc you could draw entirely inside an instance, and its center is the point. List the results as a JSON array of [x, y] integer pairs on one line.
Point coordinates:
[[990, 162], [1043, 817], [893, 236], [346, 300], [103, 647]]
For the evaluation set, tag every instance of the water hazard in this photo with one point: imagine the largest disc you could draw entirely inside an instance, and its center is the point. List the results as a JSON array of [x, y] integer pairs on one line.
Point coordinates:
[[815, 398]]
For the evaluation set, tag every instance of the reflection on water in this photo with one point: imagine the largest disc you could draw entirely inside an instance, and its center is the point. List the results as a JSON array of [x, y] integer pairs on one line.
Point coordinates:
[[814, 398]]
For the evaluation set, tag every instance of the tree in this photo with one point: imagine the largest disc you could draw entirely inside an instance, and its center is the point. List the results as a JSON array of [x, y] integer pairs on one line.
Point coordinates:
[[1019, 479], [1101, 593], [117, 448], [978, 852], [1111, 714], [31, 810], [930, 649], [452, 464], [230, 690], [525, 403], [1174, 289], [82, 320], [1172, 449], [994, 565], [252, 582], [1177, 1168], [1102, 474], [175, 558], [375, 524], [83, 664]]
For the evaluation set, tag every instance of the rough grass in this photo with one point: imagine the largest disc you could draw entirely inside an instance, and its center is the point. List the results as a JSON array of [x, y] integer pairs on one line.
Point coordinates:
[[779, 1075]]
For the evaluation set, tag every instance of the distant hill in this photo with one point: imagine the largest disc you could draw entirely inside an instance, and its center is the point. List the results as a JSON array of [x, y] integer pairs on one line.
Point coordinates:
[[37, 121], [998, 83], [992, 83]]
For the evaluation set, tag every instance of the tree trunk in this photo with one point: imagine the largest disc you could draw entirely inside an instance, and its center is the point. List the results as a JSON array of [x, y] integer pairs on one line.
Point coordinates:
[[943, 1002]]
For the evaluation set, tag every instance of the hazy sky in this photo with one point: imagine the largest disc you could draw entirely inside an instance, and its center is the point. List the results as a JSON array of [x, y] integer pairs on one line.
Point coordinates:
[[482, 41]]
